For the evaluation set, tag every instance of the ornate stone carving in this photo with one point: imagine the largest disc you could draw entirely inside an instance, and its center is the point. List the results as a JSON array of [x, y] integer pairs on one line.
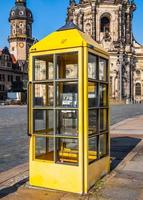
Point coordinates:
[[107, 36]]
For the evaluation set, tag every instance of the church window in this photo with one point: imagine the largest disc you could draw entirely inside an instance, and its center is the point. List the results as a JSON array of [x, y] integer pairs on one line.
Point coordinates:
[[9, 64], [21, 12], [105, 24], [29, 14], [138, 89], [2, 87], [13, 13], [9, 78], [13, 49], [20, 24], [17, 78], [138, 72], [6, 57], [3, 77]]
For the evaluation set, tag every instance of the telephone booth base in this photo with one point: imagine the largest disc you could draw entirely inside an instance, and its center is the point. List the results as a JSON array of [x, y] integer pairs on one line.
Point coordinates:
[[67, 178]]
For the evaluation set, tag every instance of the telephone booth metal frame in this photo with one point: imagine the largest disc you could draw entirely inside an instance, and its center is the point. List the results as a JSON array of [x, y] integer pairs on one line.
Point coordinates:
[[71, 152]]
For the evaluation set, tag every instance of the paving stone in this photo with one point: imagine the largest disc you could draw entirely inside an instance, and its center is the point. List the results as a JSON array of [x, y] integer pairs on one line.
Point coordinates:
[[120, 193], [135, 166]]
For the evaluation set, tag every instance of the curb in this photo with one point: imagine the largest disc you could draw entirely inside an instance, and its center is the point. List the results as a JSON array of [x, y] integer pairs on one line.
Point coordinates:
[[14, 175], [112, 127]]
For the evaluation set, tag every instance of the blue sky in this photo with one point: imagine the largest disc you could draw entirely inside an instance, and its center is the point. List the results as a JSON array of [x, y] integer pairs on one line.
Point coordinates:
[[50, 15]]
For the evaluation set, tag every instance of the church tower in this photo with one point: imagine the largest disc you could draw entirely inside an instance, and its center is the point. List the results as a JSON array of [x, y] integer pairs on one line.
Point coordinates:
[[20, 39]]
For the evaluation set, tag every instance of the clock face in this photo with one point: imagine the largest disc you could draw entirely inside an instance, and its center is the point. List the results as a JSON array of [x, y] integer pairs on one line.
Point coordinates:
[[21, 44]]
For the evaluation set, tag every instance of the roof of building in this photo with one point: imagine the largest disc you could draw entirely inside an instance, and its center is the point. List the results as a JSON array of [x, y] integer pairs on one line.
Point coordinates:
[[5, 51]]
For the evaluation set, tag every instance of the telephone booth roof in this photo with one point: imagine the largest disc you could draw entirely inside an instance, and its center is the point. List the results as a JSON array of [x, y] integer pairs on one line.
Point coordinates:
[[66, 38]]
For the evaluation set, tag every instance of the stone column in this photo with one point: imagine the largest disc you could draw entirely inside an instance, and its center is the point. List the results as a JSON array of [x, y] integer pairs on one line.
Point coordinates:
[[128, 28], [94, 21]]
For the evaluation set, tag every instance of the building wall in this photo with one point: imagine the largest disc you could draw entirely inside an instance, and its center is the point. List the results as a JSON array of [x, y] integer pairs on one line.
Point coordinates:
[[9, 72], [117, 40], [18, 49]]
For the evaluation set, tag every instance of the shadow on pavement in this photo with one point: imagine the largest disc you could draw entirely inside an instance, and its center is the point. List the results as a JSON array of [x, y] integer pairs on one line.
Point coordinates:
[[120, 147], [6, 191]]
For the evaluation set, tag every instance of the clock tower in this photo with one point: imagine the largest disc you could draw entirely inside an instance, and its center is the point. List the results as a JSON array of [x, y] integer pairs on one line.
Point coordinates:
[[20, 39]]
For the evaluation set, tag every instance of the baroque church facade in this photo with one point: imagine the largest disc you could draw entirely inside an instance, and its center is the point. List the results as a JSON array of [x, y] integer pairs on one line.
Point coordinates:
[[109, 22], [14, 61]]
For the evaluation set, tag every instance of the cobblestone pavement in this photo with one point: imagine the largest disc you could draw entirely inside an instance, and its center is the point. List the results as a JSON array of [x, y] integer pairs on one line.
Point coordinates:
[[13, 138], [122, 112], [124, 182]]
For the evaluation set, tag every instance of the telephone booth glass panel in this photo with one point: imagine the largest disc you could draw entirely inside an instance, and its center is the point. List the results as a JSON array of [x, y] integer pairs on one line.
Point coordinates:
[[43, 122], [44, 148], [43, 68], [97, 108], [55, 92], [102, 69], [67, 150], [92, 66], [67, 66]]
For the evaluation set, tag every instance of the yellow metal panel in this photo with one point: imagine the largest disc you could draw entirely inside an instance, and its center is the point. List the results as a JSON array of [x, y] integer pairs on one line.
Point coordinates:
[[59, 40], [55, 176], [50, 52], [109, 108], [81, 128], [97, 170], [66, 39], [85, 120], [30, 68]]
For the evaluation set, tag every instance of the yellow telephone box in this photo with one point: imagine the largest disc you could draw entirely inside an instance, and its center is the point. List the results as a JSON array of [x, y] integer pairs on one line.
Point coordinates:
[[68, 111]]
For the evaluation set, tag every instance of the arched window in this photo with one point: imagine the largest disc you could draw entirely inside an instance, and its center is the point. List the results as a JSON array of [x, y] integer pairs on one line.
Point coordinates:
[[138, 89], [105, 24]]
